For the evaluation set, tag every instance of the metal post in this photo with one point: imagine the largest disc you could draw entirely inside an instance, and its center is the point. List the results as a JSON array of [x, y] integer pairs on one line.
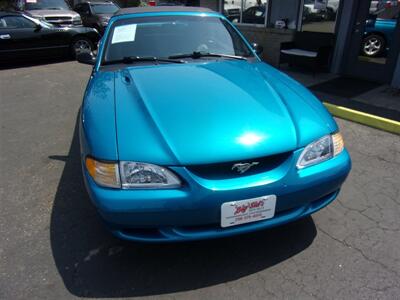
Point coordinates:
[[241, 11], [300, 16], [268, 5]]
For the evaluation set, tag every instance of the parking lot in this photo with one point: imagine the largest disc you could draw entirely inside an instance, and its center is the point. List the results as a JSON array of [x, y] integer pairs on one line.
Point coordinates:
[[53, 245]]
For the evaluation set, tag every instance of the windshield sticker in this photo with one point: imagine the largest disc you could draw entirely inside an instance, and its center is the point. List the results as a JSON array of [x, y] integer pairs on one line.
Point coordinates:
[[31, 1], [125, 33]]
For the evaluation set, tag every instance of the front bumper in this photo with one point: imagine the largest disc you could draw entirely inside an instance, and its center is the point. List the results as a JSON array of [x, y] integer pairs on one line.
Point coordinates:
[[193, 211]]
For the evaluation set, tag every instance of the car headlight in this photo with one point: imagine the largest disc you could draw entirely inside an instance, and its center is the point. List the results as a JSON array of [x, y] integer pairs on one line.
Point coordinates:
[[321, 150], [103, 173], [142, 175], [131, 175], [77, 20]]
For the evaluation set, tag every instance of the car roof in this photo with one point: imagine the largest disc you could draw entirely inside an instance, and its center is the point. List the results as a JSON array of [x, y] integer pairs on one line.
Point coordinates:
[[9, 13], [155, 9]]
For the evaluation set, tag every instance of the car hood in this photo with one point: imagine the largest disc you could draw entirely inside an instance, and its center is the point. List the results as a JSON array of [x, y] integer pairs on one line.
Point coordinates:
[[200, 113], [52, 13]]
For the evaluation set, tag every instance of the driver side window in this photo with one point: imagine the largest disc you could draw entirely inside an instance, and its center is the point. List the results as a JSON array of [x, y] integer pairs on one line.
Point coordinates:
[[258, 13], [16, 22], [250, 12], [85, 9], [3, 23]]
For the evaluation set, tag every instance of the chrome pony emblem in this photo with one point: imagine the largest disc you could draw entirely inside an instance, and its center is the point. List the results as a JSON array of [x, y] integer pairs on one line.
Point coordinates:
[[244, 167]]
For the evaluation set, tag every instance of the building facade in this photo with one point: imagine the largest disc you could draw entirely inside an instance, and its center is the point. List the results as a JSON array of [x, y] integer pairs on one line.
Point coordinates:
[[365, 33]]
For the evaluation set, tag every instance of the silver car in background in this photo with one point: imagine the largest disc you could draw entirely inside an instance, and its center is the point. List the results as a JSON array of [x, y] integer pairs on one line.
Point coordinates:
[[57, 12]]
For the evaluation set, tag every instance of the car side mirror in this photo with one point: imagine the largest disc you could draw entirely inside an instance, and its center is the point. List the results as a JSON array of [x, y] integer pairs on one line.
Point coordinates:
[[257, 48], [87, 58]]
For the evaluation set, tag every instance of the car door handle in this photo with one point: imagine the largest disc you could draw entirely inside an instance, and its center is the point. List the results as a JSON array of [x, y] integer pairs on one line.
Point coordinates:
[[5, 36]]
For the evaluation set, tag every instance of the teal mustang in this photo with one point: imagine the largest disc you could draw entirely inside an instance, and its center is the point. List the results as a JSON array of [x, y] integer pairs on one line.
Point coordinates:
[[186, 134]]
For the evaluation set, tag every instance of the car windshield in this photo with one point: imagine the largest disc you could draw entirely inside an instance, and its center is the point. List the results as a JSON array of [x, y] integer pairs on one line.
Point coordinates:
[[46, 4], [108, 8], [168, 36]]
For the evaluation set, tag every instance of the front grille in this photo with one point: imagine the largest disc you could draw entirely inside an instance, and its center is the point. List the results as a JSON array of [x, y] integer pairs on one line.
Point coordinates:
[[59, 20], [226, 171]]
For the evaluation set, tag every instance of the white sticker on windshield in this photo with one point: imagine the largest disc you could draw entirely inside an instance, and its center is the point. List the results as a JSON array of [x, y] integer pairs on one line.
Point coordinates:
[[31, 1], [125, 33]]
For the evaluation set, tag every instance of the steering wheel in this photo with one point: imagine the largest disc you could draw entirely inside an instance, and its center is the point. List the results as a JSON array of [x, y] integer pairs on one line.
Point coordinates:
[[202, 48], [211, 46]]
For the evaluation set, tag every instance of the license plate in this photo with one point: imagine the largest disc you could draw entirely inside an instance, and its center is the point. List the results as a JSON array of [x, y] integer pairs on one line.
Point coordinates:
[[246, 211]]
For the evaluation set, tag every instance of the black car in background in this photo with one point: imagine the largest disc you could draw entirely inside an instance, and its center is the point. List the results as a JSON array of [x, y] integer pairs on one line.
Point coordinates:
[[254, 15], [96, 14], [24, 38]]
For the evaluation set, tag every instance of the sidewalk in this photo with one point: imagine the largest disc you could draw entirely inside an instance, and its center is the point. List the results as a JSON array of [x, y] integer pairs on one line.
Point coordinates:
[[373, 103]]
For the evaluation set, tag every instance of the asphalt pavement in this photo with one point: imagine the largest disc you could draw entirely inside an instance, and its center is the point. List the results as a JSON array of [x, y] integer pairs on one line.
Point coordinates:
[[53, 245]]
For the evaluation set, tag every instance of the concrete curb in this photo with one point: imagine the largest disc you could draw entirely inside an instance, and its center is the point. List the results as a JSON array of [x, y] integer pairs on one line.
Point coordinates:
[[364, 118]]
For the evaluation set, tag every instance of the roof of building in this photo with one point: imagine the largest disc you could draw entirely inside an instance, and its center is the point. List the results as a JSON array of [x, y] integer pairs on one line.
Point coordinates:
[[150, 9]]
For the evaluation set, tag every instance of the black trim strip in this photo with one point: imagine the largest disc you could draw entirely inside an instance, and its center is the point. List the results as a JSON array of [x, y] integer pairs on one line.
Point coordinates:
[[360, 106], [33, 49]]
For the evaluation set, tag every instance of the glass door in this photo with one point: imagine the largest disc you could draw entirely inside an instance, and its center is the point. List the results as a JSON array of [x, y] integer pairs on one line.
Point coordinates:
[[375, 40]]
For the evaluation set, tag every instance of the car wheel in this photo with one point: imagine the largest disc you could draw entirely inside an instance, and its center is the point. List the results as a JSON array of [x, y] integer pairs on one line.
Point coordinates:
[[81, 44], [373, 45]]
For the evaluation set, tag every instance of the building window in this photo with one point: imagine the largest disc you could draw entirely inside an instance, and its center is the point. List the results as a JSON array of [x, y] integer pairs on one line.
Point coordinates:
[[246, 11], [284, 14], [320, 15], [270, 13]]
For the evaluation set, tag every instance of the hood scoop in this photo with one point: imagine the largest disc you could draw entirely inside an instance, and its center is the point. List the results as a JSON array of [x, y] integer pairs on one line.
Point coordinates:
[[126, 77]]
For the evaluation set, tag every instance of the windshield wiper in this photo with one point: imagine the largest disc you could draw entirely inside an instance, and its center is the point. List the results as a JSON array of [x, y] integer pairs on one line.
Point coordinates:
[[196, 55], [133, 59]]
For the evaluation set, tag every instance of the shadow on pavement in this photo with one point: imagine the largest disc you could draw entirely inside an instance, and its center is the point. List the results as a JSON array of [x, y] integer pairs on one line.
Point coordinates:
[[32, 63], [92, 263]]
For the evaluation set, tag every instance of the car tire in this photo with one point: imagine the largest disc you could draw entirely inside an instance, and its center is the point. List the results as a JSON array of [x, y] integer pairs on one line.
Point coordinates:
[[373, 45], [81, 44]]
